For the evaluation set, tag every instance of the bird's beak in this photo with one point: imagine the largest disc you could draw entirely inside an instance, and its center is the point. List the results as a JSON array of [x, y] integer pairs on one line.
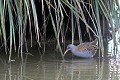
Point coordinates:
[[66, 51]]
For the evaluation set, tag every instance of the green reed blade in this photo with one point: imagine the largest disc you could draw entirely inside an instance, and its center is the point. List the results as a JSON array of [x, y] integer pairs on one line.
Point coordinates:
[[19, 27], [11, 27], [99, 29], [37, 30], [2, 19], [92, 18], [27, 4]]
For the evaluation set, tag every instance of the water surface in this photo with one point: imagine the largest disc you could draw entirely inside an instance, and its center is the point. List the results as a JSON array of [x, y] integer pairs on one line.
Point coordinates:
[[54, 69], [51, 67]]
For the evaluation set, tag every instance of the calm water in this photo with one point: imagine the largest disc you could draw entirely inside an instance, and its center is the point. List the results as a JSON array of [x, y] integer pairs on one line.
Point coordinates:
[[70, 69], [52, 67]]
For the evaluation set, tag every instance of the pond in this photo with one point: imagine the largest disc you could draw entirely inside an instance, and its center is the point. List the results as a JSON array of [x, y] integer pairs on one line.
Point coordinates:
[[70, 69], [51, 67]]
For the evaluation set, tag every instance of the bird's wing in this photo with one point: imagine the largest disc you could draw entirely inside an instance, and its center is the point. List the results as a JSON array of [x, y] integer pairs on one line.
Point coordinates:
[[83, 46], [87, 46], [93, 48]]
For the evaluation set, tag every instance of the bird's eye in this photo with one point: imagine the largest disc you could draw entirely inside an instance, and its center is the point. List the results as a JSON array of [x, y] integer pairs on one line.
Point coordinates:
[[68, 47]]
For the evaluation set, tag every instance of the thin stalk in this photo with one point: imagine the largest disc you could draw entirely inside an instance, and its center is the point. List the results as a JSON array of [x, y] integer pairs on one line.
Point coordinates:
[[92, 18], [55, 30], [99, 30], [78, 25], [83, 19], [72, 25], [24, 28], [2, 19], [37, 30], [19, 28], [26, 2], [61, 24], [12, 36], [44, 26]]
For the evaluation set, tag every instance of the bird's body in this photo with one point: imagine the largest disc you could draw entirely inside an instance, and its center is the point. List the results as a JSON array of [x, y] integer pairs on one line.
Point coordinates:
[[85, 50]]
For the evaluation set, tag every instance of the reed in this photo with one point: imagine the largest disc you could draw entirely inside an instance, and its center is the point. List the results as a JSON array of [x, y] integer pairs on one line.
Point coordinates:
[[23, 13]]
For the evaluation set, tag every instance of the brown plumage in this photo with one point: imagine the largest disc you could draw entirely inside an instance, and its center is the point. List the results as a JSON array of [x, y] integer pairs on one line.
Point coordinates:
[[88, 46]]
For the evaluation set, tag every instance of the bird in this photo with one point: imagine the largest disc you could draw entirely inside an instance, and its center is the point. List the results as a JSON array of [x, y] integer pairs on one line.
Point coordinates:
[[84, 50]]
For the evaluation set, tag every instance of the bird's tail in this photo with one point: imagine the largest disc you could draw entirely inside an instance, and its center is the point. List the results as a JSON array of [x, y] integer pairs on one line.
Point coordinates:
[[95, 42]]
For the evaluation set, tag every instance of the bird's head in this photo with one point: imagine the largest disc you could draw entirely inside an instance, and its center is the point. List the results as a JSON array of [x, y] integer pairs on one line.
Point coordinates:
[[69, 47]]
